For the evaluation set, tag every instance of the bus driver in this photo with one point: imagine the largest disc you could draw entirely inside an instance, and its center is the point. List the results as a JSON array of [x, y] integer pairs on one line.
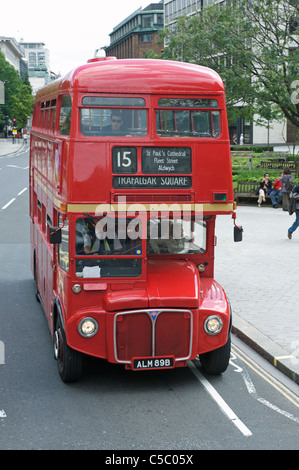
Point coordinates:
[[94, 244]]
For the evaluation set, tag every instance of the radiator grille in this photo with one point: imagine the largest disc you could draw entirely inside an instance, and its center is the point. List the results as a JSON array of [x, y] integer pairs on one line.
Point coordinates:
[[149, 333]]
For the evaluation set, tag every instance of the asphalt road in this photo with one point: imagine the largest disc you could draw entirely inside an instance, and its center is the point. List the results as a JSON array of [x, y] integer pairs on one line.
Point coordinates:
[[251, 406]]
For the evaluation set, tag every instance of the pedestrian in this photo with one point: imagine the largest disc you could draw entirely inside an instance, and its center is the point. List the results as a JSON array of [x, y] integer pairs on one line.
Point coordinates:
[[276, 192], [264, 188], [294, 207], [241, 139], [287, 186]]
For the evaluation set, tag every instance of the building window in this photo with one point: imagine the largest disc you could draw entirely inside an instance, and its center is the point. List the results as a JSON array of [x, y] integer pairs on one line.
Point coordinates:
[[41, 58], [148, 21], [160, 19], [145, 38], [32, 59]]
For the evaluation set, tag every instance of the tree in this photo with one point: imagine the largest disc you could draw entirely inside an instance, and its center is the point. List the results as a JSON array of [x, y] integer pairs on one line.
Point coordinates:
[[18, 98], [22, 104], [253, 45]]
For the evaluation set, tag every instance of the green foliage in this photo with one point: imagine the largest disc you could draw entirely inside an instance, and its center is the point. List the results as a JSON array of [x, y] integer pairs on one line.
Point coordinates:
[[18, 95], [253, 148], [241, 172], [248, 44]]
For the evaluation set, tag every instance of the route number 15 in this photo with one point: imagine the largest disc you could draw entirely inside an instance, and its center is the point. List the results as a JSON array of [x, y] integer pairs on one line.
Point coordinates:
[[124, 160]]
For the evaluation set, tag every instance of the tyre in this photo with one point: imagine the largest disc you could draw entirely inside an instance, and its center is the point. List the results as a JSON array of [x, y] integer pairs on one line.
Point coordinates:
[[69, 361], [215, 362]]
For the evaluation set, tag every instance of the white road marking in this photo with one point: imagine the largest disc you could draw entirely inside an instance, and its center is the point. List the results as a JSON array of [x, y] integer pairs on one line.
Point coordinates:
[[252, 391], [2, 414], [13, 199], [9, 203], [21, 192], [17, 166], [220, 402]]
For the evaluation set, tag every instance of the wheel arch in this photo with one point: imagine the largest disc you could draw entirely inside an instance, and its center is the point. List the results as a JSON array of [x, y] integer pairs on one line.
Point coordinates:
[[58, 313]]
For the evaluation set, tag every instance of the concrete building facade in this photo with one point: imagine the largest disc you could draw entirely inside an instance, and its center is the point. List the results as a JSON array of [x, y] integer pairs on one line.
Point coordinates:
[[38, 58], [14, 55]]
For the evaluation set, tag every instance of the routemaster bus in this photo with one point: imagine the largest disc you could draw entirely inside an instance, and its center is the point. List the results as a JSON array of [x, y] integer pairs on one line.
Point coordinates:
[[129, 167]]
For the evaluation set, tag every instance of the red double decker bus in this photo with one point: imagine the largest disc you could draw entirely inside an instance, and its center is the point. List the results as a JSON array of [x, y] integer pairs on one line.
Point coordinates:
[[129, 167]]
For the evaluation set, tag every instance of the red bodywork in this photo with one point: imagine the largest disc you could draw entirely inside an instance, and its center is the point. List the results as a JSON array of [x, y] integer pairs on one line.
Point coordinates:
[[161, 313]]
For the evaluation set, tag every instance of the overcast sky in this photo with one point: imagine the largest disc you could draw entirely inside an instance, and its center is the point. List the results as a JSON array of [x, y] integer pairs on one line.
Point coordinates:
[[70, 30]]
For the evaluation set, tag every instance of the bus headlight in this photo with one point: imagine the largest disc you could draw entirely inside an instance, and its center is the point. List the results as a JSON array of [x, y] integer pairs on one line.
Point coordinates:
[[88, 327], [213, 325]]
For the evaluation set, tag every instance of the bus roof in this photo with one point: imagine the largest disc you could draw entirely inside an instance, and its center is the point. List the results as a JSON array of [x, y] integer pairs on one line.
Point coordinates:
[[110, 75]]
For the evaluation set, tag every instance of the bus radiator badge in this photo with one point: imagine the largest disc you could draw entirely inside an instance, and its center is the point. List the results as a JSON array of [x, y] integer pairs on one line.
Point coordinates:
[[154, 314]]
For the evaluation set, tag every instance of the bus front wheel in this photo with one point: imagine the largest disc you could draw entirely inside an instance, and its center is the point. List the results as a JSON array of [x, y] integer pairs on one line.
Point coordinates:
[[69, 361], [215, 362]]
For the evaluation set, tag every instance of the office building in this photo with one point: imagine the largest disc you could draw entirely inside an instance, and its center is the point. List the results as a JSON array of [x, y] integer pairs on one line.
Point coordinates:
[[137, 34]]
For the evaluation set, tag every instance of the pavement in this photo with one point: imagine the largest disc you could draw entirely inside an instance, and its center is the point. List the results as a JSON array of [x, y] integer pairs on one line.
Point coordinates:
[[7, 147], [260, 276]]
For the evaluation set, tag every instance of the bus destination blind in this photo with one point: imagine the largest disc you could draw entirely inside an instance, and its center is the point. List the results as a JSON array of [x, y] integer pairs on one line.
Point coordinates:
[[164, 164]]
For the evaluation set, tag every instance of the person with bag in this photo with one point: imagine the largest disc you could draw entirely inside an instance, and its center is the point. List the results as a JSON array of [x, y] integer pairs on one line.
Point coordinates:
[[276, 192], [287, 186], [294, 207]]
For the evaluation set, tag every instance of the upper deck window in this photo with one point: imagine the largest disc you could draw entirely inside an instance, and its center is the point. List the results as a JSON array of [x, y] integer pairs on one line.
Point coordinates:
[[65, 115], [187, 103], [44, 115], [113, 122], [113, 101], [184, 117]]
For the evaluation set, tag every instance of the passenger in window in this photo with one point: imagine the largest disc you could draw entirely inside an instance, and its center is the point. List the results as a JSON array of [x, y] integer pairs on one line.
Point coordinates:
[[171, 240], [116, 126], [65, 124], [176, 241]]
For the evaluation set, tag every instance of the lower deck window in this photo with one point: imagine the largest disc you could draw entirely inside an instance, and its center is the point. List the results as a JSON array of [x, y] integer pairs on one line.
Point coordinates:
[[108, 247], [63, 251], [108, 267], [176, 236]]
